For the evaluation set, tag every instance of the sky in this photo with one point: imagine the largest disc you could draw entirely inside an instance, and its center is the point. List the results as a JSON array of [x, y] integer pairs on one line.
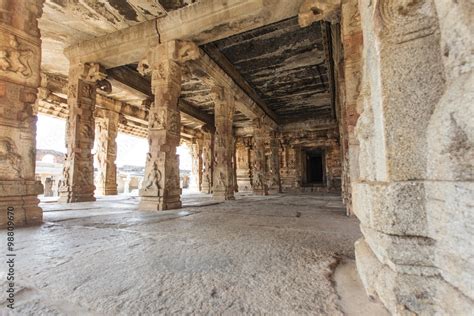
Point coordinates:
[[131, 150]]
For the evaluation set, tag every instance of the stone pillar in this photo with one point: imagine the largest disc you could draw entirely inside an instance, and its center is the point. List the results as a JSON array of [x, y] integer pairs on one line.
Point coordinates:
[[224, 107], [78, 173], [20, 50], [403, 81], [207, 159], [196, 168], [244, 169], [107, 130], [259, 173], [274, 182], [161, 190]]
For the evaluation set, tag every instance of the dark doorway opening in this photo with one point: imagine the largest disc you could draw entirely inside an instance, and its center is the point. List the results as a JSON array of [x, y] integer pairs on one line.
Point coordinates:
[[314, 167]]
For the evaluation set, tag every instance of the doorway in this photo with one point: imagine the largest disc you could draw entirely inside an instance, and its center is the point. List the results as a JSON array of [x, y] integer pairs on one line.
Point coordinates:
[[315, 167]]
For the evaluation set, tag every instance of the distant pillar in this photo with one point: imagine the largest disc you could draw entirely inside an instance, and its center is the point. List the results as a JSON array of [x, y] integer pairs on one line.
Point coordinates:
[[19, 81], [207, 162], [224, 107], [259, 163], [274, 182], [107, 130], [244, 170], [196, 171]]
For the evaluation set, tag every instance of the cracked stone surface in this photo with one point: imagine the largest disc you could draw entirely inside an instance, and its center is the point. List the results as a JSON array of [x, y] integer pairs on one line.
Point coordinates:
[[270, 255]]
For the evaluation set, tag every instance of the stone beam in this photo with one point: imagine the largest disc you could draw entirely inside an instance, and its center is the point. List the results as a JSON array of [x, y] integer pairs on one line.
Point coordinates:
[[132, 79], [206, 69], [227, 66], [202, 22]]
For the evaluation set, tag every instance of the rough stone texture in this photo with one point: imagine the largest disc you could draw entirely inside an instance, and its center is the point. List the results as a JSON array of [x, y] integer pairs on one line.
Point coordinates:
[[351, 36], [414, 191], [450, 148], [19, 79], [255, 255], [78, 174]]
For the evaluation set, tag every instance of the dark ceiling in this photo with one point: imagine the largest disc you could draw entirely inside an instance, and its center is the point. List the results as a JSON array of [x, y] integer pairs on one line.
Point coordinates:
[[285, 64]]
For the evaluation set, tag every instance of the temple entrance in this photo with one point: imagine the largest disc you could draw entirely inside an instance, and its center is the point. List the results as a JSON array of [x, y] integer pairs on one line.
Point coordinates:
[[314, 167]]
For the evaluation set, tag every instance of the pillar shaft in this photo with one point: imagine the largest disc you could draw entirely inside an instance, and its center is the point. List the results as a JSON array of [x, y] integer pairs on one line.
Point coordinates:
[[207, 166], [259, 163], [107, 130], [244, 170], [197, 164], [19, 80], [223, 185], [274, 182], [78, 173], [161, 190]]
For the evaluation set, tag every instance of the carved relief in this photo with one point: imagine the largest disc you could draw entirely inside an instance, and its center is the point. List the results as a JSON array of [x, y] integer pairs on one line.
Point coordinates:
[[10, 159]]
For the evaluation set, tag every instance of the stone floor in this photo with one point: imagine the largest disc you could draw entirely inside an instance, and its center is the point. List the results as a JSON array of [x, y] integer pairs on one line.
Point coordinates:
[[255, 255]]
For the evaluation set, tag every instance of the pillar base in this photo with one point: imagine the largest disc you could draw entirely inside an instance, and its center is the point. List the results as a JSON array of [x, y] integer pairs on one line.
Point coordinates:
[[158, 204], [222, 196], [108, 191], [71, 197], [260, 191], [23, 198]]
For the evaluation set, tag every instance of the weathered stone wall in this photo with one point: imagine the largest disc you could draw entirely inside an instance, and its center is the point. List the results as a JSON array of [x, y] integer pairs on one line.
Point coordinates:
[[293, 146], [412, 189]]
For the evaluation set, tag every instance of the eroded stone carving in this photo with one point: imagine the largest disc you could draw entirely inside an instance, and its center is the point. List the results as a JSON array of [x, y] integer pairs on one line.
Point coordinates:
[[317, 10]]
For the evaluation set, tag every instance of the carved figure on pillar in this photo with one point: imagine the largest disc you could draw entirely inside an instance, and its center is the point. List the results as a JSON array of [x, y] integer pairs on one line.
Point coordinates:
[[207, 161], [162, 190], [196, 172], [244, 169], [224, 107], [78, 182], [274, 183], [20, 59], [107, 130]]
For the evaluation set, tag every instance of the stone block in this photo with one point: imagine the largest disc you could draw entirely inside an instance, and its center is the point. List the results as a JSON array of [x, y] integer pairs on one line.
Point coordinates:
[[393, 208], [407, 254]]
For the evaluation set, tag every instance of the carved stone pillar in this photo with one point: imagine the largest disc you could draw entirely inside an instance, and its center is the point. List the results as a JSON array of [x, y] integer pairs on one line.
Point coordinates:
[[402, 82], [223, 185], [161, 190], [107, 130], [207, 159], [274, 182], [259, 163], [196, 171], [78, 173], [244, 170], [20, 51]]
